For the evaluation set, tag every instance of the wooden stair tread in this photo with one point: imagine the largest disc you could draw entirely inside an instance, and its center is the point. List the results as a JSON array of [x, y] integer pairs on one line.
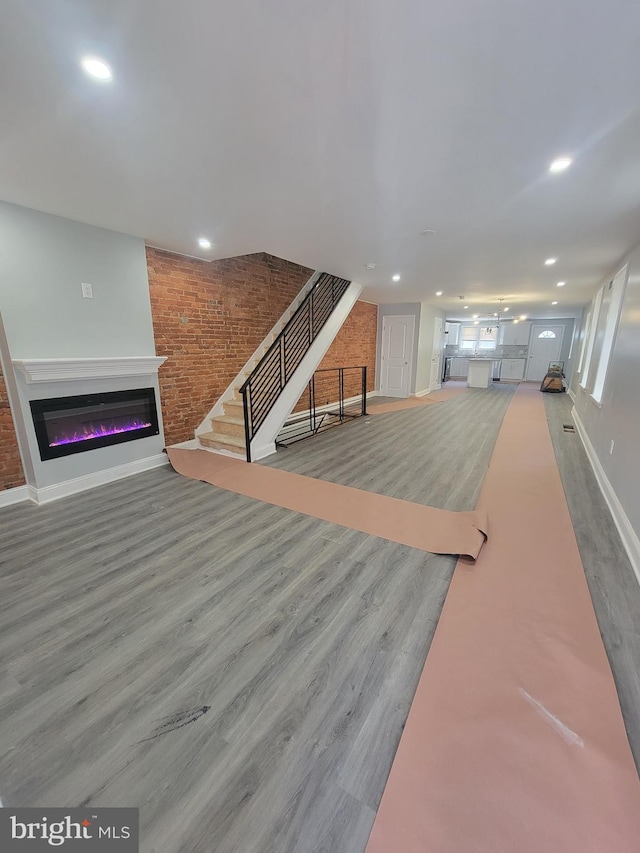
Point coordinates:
[[228, 419], [222, 438]]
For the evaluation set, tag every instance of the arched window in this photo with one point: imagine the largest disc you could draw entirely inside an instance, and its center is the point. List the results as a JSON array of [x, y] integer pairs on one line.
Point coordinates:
[[547, 334]]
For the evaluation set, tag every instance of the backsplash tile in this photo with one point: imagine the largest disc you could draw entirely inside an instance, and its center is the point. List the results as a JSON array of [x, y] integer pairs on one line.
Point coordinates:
[[511, 351]]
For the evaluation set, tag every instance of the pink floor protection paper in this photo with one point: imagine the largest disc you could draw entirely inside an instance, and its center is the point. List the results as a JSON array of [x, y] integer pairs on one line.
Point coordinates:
[[515, 741], [437, 530]]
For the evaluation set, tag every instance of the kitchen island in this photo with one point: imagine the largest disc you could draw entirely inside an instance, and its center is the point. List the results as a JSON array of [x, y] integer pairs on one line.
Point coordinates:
[[504, 367], [480, 373]]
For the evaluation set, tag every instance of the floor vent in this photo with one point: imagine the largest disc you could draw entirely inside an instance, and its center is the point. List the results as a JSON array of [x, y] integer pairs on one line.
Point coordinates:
[[568, 427]]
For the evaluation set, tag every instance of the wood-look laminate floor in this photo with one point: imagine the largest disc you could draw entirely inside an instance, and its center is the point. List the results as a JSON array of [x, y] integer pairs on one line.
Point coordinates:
[[614, 588], [129, 610], [240, 672]]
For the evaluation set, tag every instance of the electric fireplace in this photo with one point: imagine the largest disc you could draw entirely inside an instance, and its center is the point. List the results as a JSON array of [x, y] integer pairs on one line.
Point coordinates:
[[66, 425]]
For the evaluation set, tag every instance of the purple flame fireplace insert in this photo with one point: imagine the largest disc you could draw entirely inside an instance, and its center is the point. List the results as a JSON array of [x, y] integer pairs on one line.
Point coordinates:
[[66, 425]]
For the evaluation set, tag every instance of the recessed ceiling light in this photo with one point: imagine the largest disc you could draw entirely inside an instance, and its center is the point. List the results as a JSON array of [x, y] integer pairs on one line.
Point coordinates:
[[465, 307], [516, 320], [561, 283], [550, 261], [369, 266], [560, 164], [396, 277], [438, 293], [495, 314], [523, 316], [554, 303], [428, 232], [475, 316], [204, 243], [505, 309], [96, 68]]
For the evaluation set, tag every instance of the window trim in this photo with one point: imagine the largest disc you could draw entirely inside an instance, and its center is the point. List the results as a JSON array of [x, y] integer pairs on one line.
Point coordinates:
[[591, 337], [476, 342], [611, 324]]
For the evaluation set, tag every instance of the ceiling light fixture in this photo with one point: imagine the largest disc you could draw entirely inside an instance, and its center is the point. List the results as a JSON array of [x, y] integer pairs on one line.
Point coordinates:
[[560, 164], [550, 261], [561, 283], [523, 316], [476, 322], [554, 303], [465, 307], [516, 320], [428, 232], [475, 316], [96, 68], [396, 277], [438, 293], [369, 266], [204, 243], [505, 309]]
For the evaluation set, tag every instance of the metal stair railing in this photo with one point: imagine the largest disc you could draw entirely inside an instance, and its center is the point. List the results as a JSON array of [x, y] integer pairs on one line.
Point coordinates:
[[276, 367], [328, 382]]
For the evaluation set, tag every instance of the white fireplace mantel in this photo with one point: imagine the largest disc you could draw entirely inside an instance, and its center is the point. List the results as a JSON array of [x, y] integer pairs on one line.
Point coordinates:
[[56, 369]]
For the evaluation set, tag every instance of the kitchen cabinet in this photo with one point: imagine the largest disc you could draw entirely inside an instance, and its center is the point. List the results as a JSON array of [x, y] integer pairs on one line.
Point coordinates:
[[459, 367], [512, 368], [452, 332], [515, 334]]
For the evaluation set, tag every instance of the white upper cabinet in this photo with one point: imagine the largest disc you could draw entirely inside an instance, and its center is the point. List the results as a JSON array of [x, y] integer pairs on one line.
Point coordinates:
[[515, 334], [452, 332]]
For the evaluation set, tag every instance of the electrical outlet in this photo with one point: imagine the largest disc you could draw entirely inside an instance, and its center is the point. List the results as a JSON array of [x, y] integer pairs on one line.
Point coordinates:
[[611, 448], [87, 290]]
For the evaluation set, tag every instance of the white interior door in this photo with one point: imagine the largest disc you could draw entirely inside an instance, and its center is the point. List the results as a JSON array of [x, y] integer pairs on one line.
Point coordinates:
[[436, 356], [545, 345], [396, 355]]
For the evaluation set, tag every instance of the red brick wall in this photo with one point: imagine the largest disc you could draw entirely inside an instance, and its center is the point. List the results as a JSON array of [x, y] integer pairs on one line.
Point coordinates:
[[11, 473], [208, 318], [354, 346]]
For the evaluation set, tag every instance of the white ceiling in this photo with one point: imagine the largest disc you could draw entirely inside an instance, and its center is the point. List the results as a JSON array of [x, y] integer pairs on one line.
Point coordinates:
[[331, 132]]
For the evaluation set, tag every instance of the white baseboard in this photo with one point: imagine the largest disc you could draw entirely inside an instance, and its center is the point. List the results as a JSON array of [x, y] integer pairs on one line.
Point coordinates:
[[571, 394], [189, 444], [13, 496], [90, 481], [628, 535], [427, 391], [327, 407]]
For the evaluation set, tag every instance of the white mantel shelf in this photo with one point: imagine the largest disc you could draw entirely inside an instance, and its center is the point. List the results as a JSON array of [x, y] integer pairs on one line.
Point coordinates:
[[57, 369]]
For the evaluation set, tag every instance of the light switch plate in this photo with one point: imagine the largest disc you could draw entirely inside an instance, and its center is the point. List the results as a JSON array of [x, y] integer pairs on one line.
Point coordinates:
[[87, 290]]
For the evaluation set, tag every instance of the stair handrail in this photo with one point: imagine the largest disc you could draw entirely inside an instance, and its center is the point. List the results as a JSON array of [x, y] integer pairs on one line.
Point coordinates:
[[279, 363]]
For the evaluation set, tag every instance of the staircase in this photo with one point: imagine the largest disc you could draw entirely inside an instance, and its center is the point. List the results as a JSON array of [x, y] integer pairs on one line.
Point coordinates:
[[258, 401], [228, 429]]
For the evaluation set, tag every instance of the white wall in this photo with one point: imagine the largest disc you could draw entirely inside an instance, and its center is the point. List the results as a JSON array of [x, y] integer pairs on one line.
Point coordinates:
[[43, 261], [617, 419], [425, 316], [428, 316]]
